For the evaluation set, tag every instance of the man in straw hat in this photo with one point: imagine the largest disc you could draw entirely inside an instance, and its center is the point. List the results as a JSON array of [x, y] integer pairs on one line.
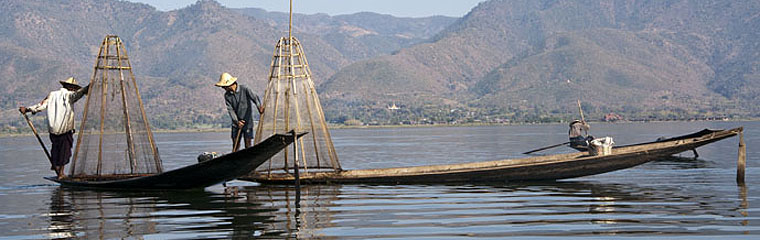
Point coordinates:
[[578, 134], [60, 114], [238, 99]]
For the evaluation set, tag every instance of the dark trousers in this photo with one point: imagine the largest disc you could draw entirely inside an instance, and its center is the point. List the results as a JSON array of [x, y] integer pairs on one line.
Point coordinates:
[[60, 152], [580, 141]]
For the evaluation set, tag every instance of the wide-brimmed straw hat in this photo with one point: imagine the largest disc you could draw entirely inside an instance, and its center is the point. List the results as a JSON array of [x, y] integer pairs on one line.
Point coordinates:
[[70, 82], [225, 80]]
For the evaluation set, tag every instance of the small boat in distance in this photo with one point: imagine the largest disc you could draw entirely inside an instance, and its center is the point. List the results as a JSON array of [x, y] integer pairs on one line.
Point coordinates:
[[538, 168]]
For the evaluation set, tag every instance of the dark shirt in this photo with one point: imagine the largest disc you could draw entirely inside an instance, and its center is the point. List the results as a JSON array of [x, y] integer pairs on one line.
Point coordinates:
[[239, 105]]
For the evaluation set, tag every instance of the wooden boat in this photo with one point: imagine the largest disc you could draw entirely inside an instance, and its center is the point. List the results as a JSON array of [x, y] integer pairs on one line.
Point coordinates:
[[551, 167], [199, 175]]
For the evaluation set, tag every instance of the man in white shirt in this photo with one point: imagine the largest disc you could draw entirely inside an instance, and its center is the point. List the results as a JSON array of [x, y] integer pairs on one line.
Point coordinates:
[[60, 113]]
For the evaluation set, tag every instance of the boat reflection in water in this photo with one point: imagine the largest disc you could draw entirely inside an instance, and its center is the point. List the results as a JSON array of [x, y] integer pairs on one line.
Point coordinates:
[[574, 208], [193, 214]]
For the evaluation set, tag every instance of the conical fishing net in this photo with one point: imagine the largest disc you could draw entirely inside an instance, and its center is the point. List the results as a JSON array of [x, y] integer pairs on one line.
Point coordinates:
[[291, 103], [115, 136]]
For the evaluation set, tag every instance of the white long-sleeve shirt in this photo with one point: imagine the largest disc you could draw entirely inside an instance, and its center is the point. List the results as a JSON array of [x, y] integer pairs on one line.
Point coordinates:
[[60, 109]]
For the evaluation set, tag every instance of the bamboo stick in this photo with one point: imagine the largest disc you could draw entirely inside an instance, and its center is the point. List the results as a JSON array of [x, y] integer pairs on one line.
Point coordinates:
[[321, 117], [153, 147], [125, 105], [311, 122], [103, 107], [84, 115], [741, 160], [294, 88], [42, 144]]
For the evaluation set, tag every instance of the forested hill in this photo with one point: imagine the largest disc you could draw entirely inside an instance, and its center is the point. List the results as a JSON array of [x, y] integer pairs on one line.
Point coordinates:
[[531, 59], [506, 60], [178, 55]]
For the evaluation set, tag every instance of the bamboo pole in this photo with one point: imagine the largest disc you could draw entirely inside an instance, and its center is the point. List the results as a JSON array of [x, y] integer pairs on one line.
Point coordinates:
[[321, 117], [84, 115], [236, 140], [153, 147], [741, 160], [103, 105], [288, 93], [313, 134], [295, 162], [294, 89], [125, 105], [278, 48], [42, 144], [581, 111], [260, 128]]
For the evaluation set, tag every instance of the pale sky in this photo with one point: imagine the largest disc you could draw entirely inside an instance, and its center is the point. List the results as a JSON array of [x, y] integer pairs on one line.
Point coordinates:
[[398, 8]]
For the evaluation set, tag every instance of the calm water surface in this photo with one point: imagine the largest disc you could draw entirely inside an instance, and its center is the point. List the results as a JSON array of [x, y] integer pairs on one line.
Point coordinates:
[[669, 198]]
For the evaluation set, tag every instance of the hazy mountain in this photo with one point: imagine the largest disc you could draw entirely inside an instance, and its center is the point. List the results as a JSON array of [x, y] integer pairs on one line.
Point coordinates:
[[510, 59], [507, 57], [177, 55], [359, 35]]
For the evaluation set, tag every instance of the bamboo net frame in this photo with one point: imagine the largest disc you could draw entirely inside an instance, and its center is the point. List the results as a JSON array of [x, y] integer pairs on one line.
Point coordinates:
[[291, 103], [114, 136]]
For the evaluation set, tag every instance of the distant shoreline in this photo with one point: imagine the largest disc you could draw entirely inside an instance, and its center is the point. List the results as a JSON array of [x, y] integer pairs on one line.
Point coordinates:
[[189, 130]]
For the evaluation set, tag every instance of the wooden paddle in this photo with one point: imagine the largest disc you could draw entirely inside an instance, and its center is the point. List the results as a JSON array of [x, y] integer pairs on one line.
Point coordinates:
[[544, 148], [237, 140], [583, 120], [38, 137]]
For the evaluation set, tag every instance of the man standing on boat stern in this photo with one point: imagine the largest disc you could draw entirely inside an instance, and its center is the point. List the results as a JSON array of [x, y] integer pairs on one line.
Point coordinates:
[[60, 115], [238, 98]]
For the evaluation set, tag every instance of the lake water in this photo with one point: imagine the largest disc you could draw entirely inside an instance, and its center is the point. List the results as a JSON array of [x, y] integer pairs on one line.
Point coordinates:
[[670, 198]]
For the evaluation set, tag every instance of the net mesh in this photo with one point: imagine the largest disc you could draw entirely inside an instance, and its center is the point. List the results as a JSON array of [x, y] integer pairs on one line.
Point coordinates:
[[291, 103], [115, 136]]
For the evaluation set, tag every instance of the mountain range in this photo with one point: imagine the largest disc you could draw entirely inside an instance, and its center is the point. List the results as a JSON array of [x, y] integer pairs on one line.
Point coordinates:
[[513, 60], [526, 59], [178, 55]]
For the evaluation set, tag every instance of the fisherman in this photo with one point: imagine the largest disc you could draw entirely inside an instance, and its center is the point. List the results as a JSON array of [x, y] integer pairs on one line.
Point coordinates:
[[60, 115], [578, 134], [238, 99]]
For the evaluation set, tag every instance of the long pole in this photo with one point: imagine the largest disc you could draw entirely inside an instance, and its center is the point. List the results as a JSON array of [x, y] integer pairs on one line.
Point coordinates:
[[583, 120], [544, 148], [581, 111], [236, 145], [741, 161], [38, 138], [295, 168]]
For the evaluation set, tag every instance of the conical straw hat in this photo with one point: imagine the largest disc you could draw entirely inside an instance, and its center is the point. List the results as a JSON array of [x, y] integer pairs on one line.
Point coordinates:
[[225, 80], [70, 82]]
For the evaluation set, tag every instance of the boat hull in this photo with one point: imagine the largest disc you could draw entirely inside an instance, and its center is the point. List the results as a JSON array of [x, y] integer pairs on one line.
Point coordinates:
[[538, 168], [199, 175]]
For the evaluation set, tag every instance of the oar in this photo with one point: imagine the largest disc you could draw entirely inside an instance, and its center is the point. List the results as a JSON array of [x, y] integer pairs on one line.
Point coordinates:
[[581, 110], [237, 140], [544, 148], [38, 137]]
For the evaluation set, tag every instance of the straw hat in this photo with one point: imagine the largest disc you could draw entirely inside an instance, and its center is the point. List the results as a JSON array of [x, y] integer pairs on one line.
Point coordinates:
[[70, 82], [225, 80]]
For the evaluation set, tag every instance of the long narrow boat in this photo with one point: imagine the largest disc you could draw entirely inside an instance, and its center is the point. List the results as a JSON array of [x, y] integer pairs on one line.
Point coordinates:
[[199, 175], [551, 167]]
